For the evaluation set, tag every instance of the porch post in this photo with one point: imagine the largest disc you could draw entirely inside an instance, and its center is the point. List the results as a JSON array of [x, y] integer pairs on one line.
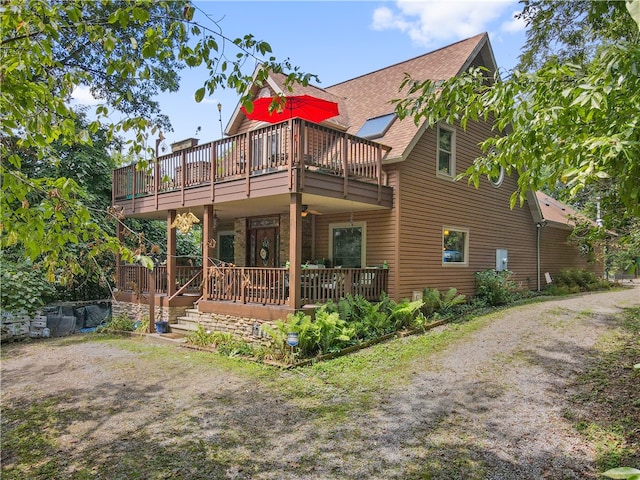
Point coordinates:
[[295, 249], [171, 253], [208, 234], [151, 275], [120, 237]]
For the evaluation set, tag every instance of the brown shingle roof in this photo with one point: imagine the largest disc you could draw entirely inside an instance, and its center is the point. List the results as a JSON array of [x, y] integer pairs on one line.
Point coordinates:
[[555, 211], [369, 95]]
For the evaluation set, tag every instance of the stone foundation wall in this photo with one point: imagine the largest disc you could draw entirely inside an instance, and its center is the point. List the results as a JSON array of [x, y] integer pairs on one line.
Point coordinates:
[[283, 253], [138, 311], [240, 241], [248, 329]]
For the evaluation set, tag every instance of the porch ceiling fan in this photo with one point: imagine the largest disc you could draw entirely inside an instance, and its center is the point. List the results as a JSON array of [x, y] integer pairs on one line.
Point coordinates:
[[306, 211]]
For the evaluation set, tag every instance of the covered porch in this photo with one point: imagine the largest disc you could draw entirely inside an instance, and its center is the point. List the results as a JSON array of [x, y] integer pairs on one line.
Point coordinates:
[[253, 285], [257, 197]]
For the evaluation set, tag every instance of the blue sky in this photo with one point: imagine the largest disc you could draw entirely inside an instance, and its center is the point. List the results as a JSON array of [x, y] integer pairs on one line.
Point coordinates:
[[339, 40]]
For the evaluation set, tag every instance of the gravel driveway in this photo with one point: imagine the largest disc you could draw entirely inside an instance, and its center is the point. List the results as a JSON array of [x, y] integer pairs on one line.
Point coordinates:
[[493, 404]]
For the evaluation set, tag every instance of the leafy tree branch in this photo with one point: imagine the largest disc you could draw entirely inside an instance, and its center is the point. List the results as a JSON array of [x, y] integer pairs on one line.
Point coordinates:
[[126, 52]]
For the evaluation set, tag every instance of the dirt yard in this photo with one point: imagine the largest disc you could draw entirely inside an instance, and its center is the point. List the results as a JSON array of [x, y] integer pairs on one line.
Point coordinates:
[[492, 403]]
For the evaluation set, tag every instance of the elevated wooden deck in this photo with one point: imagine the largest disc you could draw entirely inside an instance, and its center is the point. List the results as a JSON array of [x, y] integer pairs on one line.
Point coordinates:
[[290, 157]]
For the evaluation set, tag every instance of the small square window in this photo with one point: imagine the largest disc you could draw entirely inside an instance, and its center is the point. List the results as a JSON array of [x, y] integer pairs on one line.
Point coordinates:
[[455, 246], [446, 161]]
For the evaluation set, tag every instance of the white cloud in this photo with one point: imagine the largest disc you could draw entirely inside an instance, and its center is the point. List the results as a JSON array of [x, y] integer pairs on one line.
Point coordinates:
[[82, 95], [433, 22], [514, 25]]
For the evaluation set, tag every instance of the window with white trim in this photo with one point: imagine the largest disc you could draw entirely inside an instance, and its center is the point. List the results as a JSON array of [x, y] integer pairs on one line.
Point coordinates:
[[455, 246], [446, 152], [347, 243], [496, 179]]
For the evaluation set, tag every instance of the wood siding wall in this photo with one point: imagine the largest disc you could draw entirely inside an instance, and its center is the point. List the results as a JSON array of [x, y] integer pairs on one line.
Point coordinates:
[[557, 252], [380, 238], [429, 203]]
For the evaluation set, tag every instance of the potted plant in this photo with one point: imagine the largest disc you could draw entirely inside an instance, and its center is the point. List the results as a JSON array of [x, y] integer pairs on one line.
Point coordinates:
[[162, 326]]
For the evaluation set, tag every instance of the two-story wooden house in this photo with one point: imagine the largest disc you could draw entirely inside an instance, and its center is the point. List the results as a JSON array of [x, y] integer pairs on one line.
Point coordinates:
[[297, 213]]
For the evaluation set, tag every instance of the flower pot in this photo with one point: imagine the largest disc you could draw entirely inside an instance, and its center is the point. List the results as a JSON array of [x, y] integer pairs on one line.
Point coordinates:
[[162, 327]]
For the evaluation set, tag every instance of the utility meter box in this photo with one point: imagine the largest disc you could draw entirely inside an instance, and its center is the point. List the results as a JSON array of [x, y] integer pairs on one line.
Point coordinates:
[[502, 260]]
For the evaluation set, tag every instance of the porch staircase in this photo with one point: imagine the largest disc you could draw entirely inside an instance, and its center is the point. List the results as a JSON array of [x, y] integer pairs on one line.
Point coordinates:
[[188, 322]]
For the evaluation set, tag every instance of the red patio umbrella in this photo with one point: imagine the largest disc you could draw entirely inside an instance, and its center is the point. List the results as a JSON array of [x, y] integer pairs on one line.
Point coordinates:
[[306, 107]]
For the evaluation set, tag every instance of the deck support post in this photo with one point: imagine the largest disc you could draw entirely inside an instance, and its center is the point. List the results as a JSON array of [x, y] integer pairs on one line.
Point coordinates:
[[171, 253], [208, 239], [295, 249], [120, 236], [152, 299]]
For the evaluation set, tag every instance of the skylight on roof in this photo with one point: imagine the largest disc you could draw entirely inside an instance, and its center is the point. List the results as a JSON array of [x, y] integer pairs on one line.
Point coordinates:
[[376, 127]]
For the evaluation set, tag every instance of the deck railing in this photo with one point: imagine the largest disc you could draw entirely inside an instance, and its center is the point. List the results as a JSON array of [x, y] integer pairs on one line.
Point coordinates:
[[322, 285], [275, 147], [135, 278], [266, 286]]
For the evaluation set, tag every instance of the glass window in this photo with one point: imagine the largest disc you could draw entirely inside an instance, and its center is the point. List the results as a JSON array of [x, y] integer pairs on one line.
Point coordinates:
[[226, 249], [376, 127], [455, 244], [446, 152], [497, 179], [347, 245]]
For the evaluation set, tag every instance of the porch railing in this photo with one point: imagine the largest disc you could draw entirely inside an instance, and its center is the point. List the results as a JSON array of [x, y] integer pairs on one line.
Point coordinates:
[[270, 286], [280, 146], [135, 278], [322, 285], [266, 286]]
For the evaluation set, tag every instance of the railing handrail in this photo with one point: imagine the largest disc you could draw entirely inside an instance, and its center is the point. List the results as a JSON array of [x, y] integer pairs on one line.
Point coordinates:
[[183, 287]]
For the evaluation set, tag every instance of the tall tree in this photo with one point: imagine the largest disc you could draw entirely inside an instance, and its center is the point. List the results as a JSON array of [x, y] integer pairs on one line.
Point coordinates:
[[125, 51], [563, 32]]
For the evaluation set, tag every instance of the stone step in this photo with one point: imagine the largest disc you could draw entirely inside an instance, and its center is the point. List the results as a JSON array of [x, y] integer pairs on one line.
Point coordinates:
[[172, 337], [183, 328]]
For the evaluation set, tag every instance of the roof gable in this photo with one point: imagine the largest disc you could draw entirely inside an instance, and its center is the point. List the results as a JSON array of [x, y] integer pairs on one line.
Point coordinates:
[[369, 96]]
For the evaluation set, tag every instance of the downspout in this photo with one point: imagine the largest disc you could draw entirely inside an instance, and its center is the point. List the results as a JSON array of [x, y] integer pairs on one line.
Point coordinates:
[[539, 226]]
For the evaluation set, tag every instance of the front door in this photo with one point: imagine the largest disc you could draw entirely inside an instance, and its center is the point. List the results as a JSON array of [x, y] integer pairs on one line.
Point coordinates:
[[263, 248]]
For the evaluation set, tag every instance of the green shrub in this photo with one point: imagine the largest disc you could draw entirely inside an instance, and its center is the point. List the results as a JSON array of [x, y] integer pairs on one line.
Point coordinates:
[[331, 332], [367, 320], [234, 347], [24, 287], [435, 301], [143, 325], [496, 288], [327, 333], [430, 300], [404, 314], [574, 280], [299, 323], [119, 323], [225, 343], [200, 337]]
